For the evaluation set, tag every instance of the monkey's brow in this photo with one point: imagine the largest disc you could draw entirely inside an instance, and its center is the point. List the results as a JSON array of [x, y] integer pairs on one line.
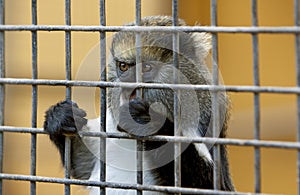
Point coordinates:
[[127, 61]]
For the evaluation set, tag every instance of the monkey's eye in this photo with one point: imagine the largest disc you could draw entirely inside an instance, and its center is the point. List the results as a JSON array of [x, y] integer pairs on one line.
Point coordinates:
[[147, 67], [123, 66]]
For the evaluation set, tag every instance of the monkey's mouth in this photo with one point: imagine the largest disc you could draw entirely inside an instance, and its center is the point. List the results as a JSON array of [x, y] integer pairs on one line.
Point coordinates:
[[128, 95], [132, 95]]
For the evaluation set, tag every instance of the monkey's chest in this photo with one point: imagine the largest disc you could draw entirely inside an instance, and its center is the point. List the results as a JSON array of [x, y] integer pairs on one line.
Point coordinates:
[[121, 168]]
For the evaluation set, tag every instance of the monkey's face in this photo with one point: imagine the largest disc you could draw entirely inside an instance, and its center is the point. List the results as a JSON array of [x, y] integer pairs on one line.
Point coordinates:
[[157, 67], [156, 57]]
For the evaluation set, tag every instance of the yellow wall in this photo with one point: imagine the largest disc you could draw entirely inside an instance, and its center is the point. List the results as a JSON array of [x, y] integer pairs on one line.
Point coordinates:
[[277, 68]]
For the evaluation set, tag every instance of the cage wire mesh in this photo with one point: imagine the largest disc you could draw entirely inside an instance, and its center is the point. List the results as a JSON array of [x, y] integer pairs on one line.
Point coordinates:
[[35, 82]]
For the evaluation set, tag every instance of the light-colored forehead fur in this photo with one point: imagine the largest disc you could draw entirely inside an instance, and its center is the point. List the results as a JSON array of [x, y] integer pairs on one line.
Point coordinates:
[[158, 45]]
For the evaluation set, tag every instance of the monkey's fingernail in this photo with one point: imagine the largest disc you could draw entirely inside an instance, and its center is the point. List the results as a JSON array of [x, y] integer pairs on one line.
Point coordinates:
[[69, 131]]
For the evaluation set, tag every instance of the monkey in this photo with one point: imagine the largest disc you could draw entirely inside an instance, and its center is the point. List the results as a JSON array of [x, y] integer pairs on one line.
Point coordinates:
[[149, 111]]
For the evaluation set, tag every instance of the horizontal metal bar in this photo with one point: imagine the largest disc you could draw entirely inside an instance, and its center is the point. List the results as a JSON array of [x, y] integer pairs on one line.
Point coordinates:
[[181, 139], [166, 189], [228, 88], [211, 29], [12, 129]]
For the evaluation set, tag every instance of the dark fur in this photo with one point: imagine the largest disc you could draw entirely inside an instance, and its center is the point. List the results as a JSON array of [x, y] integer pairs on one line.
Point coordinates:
[[59, 123]]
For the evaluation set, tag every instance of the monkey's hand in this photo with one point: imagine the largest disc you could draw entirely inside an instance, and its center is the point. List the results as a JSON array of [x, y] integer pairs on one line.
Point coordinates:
[[64, 119], [137, 118]]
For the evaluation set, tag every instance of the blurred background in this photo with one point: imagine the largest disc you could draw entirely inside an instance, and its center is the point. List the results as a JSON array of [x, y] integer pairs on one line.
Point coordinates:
[[276, 66]]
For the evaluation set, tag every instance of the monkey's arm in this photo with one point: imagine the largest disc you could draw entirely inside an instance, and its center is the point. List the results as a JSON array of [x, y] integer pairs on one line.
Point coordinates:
[[66, 119]]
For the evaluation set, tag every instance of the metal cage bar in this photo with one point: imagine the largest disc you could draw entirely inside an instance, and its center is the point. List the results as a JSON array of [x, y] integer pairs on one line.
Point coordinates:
[[34, 97], [139, 92], [206, 140], [177, 130], [256, 79], [102, 95], [210, 29], [229, 88], [154, 188], [297, 62], [2, 86], [67, 157], [215, 97]]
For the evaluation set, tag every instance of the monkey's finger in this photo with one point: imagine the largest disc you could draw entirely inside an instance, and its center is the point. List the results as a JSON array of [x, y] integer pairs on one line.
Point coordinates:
[[79, 112], [69, 102], [68, 131], [79, 122], [75, 109]]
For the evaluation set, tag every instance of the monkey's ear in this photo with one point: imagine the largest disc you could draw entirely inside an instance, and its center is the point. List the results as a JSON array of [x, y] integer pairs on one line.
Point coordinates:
[[202, 42]]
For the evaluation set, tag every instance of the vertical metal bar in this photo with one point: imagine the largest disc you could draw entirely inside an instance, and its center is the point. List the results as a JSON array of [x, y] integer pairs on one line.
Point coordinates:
[[138, 44], [215, 105], [68, 46], [177, 130], [2, 87], [256, 99], [297, 50], [67, 157], [103, 95], [34, 96], [67, 164]]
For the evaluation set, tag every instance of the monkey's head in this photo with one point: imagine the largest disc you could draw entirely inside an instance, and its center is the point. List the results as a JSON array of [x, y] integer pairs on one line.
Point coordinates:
[[158, 67]]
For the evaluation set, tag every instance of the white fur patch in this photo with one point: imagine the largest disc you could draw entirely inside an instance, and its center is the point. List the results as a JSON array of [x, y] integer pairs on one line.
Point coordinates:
[[120, 162], [201, 148]]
